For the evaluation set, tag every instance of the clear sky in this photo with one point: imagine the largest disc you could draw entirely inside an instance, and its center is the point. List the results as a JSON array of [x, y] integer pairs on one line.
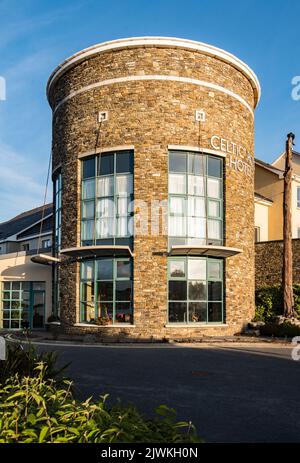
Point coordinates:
[[35, 36]]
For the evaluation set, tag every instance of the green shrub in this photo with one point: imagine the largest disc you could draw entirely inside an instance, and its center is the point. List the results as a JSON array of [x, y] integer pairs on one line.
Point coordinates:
[[285, 329], [23, 360], [269, 302], [35, 409]]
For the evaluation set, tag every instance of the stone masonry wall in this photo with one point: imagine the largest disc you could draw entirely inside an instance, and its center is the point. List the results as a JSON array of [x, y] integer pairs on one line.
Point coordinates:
[[268, 263], [152, 115]]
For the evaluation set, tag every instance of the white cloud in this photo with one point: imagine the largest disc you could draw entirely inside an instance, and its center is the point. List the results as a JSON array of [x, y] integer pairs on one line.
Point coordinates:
[[22, 183]]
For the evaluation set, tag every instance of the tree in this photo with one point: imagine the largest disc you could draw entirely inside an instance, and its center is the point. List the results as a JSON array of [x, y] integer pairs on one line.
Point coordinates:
[[287, 271]]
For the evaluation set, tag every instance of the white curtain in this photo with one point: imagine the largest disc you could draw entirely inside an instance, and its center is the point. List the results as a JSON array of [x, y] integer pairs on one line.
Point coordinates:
[[177, 183], [122, 223], [196, 185], [88, 209], [213, 188], [213, 208], [214, 229], [196, 227], [196, 207], [88, 189], [88, 230], [124, 185], [177, 226], [197, 269], [105, 207], [105, 228], [177, 205], [105, 186]]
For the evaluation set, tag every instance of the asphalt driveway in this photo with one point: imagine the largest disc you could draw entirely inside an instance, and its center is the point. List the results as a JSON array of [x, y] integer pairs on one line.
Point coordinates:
[[232, 393]]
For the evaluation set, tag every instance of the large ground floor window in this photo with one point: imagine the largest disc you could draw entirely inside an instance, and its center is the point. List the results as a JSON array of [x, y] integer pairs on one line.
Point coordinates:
[[23, 304], [106, 291], [195, 286]]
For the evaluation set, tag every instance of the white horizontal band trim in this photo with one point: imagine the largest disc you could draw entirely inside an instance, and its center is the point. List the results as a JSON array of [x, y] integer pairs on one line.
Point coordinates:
[[120, 325], [186, 80], [196, 325], [197, 149], [162, 42], [106, 149]]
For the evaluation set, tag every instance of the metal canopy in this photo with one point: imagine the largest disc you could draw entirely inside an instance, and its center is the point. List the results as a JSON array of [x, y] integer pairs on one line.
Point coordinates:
[[204, 250], [44, 259], [98, 251]]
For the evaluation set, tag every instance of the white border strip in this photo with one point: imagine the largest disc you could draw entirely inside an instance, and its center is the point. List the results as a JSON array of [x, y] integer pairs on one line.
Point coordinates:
[[186, 80], [197, 149], [164, 42]]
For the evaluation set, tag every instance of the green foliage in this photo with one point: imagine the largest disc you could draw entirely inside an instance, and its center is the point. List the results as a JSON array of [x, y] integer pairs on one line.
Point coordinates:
[[35, 409], [269, 302], [23, 360], [285, 329]]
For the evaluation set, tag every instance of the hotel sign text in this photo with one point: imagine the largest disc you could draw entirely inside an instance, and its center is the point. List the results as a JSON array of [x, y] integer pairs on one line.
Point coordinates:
[[237, 156]]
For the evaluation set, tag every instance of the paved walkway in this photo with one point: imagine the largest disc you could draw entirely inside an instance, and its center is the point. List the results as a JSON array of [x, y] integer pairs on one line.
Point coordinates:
[[233, 392]]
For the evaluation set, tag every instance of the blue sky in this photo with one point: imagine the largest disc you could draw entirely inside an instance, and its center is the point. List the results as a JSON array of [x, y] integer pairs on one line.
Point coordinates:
[[37, 35]]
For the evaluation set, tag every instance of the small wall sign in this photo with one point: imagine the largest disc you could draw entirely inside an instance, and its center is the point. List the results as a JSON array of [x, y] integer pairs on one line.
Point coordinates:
[[237, 156]]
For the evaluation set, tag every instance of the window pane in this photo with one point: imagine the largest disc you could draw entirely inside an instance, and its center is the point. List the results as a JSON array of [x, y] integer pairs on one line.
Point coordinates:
[[105, 228], [105, 207], [88, 189], [197, 269], [214, 270], [177, 290], [16, 285], [177, 205], [177, 162], [6, 305], [197, 290], [177, 312], [87, 230], [106, 164], [123, 206], [214, 229], [196, 164], [122, 226], [196, 185], [214, 167], [177, 226], [87, 270], [197, 312], [88, 209], [124, 185], [87, 291], [215, 312], [215, 291], [196, 207], [105, 312], [124, 162], [196, 227], [6, 285], [88, 310], [105, 269], [123, 269], [213, 188], [105, 291], [177, 268], [88, 169], [214, 209], [123, 312], [38, 286], [105, 186], [177, 183], [123, 290]]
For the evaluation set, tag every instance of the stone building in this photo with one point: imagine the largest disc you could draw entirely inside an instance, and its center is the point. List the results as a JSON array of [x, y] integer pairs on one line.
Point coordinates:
[[153, 174]]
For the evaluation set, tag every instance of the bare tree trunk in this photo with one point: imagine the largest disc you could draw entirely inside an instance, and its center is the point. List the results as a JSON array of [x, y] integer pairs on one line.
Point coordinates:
[[287, 271]]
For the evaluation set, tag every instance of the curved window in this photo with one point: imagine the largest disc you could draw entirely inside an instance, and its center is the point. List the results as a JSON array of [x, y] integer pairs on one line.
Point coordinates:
[[195, 199], [195, 290], [106, 196], [106, 291]]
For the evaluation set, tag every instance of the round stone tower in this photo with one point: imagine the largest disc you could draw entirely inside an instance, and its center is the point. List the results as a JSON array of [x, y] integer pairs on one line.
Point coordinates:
[[154, 173]]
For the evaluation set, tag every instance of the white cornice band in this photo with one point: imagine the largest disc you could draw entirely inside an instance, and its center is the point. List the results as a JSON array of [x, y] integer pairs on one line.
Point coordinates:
[[163, 42], [185, 80]]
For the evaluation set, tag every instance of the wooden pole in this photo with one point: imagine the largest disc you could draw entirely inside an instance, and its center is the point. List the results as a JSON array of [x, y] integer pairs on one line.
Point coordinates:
[[287, 273]]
